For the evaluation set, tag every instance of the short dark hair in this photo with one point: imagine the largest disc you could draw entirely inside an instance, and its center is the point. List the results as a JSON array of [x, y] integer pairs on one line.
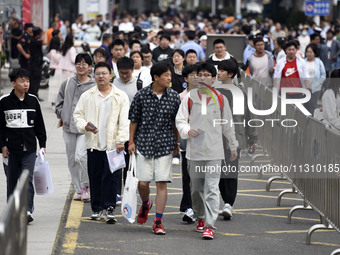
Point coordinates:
[[166, 36], [133, 42], [257, 39], [314, 48], [136, 52], [190, 51], [146, 50], [55, 32], [125, 63], [159, 68], [18, 73], [330, 31], [102, 64], [190, 34], [281, 41], [116, 42], [84, 56], [291, 43], [188, 70], [106, 36], [228, 65], [314, 35], [55, 44], [217, 41], [100, 50], [179, 51], [207, 67]]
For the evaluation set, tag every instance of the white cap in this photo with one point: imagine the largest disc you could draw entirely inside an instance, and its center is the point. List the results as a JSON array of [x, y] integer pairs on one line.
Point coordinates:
[[252, 22], [168, 26], [84, 26], [204, 37]]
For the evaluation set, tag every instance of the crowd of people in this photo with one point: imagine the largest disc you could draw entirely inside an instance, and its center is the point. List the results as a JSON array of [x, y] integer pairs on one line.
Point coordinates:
[[143, 91]]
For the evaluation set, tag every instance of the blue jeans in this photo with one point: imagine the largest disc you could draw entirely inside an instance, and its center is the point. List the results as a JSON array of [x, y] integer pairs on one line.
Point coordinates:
[[17, 162]]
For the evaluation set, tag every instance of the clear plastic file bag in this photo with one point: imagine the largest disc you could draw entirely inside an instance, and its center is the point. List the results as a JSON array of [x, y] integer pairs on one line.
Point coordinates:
[[43, 184], [129, 200], [116, 160]]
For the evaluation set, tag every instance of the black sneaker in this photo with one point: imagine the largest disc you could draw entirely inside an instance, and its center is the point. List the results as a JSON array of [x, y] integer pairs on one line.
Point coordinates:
[[29, 217], [110, 217]]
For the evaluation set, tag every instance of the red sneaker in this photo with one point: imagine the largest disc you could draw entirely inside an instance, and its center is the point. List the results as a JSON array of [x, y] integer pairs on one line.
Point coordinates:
[[208, 233], [158, 229], [143, 212], [200, 226]]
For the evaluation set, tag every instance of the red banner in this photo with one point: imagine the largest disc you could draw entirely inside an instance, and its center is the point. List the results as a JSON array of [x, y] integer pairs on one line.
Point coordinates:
[[32, 12]]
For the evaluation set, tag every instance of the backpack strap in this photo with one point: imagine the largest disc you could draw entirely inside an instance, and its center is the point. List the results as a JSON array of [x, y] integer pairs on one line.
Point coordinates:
[[220, 101], [139, 82], [190, 103]]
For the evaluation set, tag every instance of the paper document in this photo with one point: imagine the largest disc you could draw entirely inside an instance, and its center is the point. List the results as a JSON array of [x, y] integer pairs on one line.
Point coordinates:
[[198, 140], [116, 160], [5, 160]]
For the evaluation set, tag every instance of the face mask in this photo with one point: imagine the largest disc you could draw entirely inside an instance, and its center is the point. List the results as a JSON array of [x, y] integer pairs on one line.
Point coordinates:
[[304, 32], [143, 41], [300, 27]]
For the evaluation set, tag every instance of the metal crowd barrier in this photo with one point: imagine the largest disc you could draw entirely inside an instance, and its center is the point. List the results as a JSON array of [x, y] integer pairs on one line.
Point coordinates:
[[13, 221], [311, 153]]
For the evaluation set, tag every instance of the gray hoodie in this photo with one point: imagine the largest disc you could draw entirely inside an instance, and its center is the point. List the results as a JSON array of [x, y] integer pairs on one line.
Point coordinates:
[[130, 88], [67, 101]]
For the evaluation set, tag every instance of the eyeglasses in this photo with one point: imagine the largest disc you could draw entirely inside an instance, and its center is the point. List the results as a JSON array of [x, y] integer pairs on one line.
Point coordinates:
[[81, 64], [101, 73], [205, 75], [124, 73]]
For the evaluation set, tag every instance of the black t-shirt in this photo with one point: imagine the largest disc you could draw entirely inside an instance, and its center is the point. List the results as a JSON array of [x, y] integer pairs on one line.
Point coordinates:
[[14, 51], [177, 81], [25, 41], [158, 54], [35, 49]]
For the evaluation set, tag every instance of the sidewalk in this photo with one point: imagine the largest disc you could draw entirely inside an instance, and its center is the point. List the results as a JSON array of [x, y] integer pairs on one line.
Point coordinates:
[[48, 209]]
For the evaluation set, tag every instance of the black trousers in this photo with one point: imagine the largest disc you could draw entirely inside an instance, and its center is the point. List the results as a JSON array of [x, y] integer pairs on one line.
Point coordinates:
[[35, 78], [17, 162], [228, 180], [103, 183], [186, 198], [124, 170]]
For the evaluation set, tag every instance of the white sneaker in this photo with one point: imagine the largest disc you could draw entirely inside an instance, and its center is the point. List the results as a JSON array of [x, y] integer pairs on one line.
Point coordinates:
[[96, 215], [189, 216], [175, 161], [118, 200], [227, 211], [110, 217]]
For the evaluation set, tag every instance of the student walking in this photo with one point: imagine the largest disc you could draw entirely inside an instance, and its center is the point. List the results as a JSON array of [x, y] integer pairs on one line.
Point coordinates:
[[195, 122], [70, 91], [102, 114], [21, 123], [154, 137]]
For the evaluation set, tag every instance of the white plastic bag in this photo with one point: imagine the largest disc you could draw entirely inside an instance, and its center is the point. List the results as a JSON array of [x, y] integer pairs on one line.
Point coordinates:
[[129, 201], [42, 176], [116, 160]]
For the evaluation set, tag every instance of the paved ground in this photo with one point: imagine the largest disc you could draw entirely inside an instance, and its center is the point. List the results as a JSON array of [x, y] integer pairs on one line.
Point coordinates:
[[258, 227], [61, 225]]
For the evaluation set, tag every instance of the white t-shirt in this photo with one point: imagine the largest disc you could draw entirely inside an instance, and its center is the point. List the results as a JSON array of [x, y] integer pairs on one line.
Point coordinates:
[[115, 69], [311, 68], [104, 109], [329, 45], [261, 69]]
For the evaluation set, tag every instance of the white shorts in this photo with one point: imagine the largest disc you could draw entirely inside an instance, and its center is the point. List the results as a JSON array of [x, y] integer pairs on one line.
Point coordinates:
[[159, 169]]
